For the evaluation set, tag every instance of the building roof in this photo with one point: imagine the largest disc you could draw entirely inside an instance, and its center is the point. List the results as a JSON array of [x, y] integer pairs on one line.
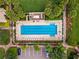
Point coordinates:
[[2, 15], [36, 16]]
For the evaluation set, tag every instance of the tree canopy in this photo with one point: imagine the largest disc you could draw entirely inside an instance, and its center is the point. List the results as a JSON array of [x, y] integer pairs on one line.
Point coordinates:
[[54, 8], [57, 52], [1, 2], [11, 53], [13, 8]]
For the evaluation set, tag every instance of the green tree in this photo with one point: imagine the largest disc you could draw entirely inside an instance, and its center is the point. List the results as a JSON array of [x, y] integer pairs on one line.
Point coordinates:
[[57, 52], [1, 2], [54, 8], [24, 47], [11, 53], [36, 48], [48, 9], [71, 54], [14, 10], [48, 48]]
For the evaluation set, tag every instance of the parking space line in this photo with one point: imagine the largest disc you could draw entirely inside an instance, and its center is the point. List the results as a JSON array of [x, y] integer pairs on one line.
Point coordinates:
[[33, 52], [29, 51], [41, 51]]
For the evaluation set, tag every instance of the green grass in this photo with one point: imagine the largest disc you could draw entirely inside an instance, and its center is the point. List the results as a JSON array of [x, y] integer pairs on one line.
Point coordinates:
[[74, 36], [2, 53], [4, 37], [74, 33], [57, 18], [33, 5]]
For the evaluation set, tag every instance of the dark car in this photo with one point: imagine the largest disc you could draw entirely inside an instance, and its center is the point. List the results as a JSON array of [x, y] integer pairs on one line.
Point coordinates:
[[19, 51], [12, 23]]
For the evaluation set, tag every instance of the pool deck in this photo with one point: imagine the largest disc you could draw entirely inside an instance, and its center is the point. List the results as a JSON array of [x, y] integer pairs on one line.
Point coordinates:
[[38, 37]]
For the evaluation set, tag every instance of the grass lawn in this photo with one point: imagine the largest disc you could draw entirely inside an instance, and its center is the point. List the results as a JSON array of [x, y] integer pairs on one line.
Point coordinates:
[[2, 53], [74, 33], [4, 36], [33, 5], [57, 18]]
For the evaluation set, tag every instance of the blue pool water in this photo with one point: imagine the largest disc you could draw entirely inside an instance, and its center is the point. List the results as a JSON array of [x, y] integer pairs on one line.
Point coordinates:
[[39, 29]]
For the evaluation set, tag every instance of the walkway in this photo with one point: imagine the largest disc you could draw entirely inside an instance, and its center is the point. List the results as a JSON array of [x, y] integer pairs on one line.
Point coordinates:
[[64, 25]]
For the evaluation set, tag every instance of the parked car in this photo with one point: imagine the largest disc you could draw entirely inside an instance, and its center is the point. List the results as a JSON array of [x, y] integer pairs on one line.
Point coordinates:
[[12, 23], [19, 51]]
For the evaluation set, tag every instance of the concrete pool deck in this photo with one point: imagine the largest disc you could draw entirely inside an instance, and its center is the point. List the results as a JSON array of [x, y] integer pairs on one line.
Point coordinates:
[[38, 37]]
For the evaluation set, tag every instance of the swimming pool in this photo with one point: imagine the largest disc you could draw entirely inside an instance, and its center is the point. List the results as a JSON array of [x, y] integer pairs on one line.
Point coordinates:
[[50, 29]]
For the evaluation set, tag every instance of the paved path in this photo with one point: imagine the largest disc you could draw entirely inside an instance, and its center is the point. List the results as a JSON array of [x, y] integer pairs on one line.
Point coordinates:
[[64, 25]]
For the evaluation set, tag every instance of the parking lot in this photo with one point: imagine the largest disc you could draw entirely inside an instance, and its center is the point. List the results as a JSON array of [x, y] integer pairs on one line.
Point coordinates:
[[30, 53]]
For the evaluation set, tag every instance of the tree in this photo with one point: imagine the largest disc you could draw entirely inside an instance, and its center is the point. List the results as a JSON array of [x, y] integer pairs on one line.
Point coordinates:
[[11, 53], [36, 48], [71, 54], [14, 10], [71, 8], [24, 47], [1, 2], [48, 48], [54, 8], [57, 52], [48, 9]]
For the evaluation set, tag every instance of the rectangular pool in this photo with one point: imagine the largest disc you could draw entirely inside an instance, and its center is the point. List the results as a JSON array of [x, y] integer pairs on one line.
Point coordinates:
[[50, 29]]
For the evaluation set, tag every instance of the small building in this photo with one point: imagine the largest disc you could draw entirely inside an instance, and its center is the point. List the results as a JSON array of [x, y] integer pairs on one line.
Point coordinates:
[[2, 15], [36, 16]]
